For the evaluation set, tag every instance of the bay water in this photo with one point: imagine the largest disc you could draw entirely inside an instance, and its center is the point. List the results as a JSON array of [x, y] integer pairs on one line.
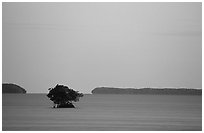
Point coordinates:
[[107, 112]]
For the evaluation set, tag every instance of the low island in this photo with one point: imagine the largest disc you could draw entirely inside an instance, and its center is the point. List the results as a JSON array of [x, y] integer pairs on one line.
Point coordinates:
[[151, 91], [12, 88]]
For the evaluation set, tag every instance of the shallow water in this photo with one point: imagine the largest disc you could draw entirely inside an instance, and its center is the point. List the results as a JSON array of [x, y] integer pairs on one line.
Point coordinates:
[[103, 112]]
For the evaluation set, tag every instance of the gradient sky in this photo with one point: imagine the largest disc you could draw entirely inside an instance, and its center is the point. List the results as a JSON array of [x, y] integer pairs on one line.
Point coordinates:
[[87, 45]]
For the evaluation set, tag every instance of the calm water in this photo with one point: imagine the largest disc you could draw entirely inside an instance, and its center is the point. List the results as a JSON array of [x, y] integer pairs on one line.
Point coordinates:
[[103, 112]]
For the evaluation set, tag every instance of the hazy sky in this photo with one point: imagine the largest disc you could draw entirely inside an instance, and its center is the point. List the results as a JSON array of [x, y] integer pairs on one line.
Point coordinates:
[[87, 45]]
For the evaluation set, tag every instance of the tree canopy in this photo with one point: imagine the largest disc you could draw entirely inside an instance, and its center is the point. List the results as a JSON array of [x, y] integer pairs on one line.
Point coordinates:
[[63, 95]]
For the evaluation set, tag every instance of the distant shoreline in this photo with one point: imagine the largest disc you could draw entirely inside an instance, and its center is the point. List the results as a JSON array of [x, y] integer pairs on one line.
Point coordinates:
[[9, 88], [147, 91]]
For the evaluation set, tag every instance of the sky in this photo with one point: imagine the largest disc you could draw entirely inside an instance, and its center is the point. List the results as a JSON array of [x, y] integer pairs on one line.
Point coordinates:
[[89, 45]]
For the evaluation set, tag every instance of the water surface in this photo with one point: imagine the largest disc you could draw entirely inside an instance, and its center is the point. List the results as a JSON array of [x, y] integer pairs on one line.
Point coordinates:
[[103, 112]]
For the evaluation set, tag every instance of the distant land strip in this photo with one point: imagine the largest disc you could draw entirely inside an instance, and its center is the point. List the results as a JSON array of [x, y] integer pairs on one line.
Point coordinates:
[[12, 88], [151, 91]]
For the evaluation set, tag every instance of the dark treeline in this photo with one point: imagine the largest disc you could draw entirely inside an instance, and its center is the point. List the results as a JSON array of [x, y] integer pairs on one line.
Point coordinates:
[[153, 91], [12, 88]]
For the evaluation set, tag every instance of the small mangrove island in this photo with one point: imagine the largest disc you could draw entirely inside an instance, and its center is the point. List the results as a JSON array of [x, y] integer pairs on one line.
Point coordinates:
[[151, 91], [63, 96]]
